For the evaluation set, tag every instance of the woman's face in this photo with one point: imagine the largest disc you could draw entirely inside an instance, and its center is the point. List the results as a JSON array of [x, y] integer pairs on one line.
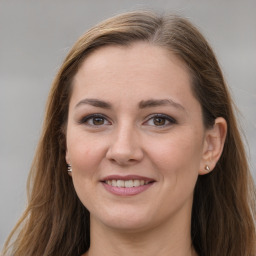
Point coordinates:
[[135, 137]]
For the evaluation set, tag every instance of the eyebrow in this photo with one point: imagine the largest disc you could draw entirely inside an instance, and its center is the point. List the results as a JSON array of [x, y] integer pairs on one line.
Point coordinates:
[[162, 102], [142, 104], [94, 102]]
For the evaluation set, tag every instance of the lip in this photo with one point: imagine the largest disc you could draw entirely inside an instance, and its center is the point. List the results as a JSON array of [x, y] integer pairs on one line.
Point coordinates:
[[122, 191], [126, 177]]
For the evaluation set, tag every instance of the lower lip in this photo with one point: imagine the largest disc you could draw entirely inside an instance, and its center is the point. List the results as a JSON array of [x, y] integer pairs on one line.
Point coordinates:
[[126, 191]]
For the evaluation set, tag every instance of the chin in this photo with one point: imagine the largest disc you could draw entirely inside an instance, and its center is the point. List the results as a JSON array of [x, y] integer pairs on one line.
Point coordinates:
[[125, 220]]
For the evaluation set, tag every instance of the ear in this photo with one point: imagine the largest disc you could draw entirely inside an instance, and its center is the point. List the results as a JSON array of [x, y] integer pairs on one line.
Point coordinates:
[[68, 161], [67, 157], [213, 145]]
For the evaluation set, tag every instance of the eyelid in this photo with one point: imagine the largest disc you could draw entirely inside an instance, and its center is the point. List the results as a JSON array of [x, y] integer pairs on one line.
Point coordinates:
[[170, 119], [86, 118]]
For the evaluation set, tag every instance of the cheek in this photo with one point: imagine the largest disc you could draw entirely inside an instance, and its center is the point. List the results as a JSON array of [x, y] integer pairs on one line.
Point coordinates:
[[84, 152], [179, 154], [176, 159], [84, 155]]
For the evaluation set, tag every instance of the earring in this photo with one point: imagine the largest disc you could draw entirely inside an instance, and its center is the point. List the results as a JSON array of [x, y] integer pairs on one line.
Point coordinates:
[[207, 168], [69, 168]]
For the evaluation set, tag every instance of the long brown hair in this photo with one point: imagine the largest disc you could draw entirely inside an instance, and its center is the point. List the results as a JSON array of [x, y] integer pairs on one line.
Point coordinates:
[[223, 215]]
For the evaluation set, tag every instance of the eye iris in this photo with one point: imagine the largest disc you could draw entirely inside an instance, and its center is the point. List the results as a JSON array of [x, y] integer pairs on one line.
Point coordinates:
[[159, 121], [98, 121]]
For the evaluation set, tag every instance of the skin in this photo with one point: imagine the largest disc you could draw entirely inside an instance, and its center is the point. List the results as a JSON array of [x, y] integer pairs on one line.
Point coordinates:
[[131, 140]]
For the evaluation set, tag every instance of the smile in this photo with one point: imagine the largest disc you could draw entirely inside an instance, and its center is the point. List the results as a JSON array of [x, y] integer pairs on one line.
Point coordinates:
[[127, 183]]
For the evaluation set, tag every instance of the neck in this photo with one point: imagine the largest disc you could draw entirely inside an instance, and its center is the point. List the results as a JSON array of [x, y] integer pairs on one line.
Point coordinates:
[[165, 240]]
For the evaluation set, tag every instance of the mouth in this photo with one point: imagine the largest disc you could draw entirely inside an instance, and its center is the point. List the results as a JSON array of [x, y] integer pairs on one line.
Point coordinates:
[[127, 185]]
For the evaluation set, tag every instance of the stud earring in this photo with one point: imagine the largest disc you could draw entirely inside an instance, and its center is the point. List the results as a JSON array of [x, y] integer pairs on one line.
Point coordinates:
[[69, 168], [207, 168]]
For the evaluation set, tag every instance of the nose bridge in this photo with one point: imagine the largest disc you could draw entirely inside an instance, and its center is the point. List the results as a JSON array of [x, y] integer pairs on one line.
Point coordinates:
[[125, 145]]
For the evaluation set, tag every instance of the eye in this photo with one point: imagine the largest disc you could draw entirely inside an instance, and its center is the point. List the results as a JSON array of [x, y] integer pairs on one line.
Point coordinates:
[[160, 120], [95, 120]]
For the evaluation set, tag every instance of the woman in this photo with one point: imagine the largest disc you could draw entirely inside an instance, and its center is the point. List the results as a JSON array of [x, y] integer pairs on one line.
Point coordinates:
[[140, 152]]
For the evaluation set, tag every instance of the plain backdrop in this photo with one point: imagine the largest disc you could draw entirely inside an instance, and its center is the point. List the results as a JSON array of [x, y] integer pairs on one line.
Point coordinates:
[[35, 36]]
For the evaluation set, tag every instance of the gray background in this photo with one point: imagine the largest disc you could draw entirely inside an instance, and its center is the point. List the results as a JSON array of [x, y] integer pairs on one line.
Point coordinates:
[[36, 35]]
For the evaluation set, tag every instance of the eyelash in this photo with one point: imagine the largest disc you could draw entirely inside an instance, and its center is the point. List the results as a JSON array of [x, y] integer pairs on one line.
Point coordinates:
[[164, 117], [86, 119], [92, 117]]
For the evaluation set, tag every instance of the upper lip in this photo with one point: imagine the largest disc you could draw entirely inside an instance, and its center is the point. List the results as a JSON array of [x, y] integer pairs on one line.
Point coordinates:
[[126, 177]]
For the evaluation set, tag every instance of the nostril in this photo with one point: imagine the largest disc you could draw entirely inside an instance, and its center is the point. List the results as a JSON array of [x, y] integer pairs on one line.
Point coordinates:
[[124, 151], [122, 161]]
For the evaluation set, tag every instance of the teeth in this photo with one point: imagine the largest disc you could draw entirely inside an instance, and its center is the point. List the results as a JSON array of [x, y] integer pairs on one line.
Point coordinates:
[[137, 183], [120, 183], [126, 183]]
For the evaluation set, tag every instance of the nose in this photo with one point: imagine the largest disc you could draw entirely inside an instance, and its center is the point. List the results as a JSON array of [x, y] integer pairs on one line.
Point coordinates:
[[125, 148]]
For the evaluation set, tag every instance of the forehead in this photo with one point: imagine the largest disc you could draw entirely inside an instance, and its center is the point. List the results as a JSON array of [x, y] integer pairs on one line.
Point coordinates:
[[140, 70], [133, 56]]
